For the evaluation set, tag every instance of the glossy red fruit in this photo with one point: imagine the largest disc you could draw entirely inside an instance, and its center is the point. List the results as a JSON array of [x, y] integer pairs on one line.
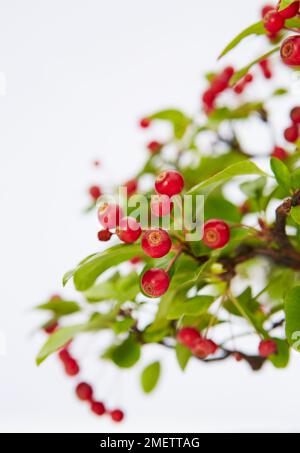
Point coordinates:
[[104, 235], [169, 183], [267, 348], [129, 230], [161, 205], [156, 243], [155, 282], [216, 234], [109, 215], [239, 88], [290, 51], [117, 415], [64, 355], [295, 115], [273, 21], [97, 407], [291, 11], [248, 78], [280, 153], [95, 192], [154, 147], [291, 134], [131, 186], [84, 391], [203, 348], [145, 122], [208, 97], [266, 9], [51, 327], [71, 367], [188, 336]]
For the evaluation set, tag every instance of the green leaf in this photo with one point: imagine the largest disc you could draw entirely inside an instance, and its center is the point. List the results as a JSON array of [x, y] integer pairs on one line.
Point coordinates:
[[120, 288], [281, 173], [150, 377], [280, 281], [123, 325], [58, 340], [295, 213], [245, 300], [296, 179], [254, 29], [86, 273], [177, 118], [238, 169], [126, 354], [242, 72], [285, 3], [280, 92], [292, 315], [281, 359], [183, 355], [60, 307], [195, 306], [254, 189]]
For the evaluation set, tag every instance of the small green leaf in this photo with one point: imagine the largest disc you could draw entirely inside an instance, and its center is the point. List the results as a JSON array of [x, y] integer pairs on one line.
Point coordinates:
[[254, 189], [280, 92], [150, 377], [295, 179], [183, 355], [281, 173], [292, 314], [127, 353], [295, 213], [177, 118], [281, 359], [60, 307], [285, 3], [123, 326], [254, 29], [195, 306]]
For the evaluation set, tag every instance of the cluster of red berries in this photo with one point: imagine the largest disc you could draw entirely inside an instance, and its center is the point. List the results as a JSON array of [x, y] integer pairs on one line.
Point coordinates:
[[274, 20], [83, 390], [240, 87], [200, 347], [292, 133], [218, 85]]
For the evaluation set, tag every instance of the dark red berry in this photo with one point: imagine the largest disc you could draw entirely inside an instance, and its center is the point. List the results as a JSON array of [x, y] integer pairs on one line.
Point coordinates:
[[290, 51], [203, 348], [156, 243], [131, 186], [239, 88], [84, 391], [267, 348], [266, 9], [154, 147], [155, 282], [64, 355], [71, 367], [161, 205], [273, 21], [51, 327], [104, 235], [188, 336], [280, 153], [216, 234], [249, 78], [290, 11], [291, 134], [97, 407], [117, 415], [95, 192], [109, 215], [145, 122], [169, 183], [238, 356], [129, 230], [295, 115], [208, 97]]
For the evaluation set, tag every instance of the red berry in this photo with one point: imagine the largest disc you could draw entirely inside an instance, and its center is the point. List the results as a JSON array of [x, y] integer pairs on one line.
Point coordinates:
[[267, 347], [291, 11], [154, 147], [208, 97], [295, 115], [71, 367], [131, 186], [188, 336], [273, 21], [203, 348], [129, 230], [50, 328], [104, 235], [218, 85], [238, 356], [95, 192], [155, 282], [109, 215], [265, 67], [97, 407], [280, 153], [156, 243], [266, 9], [136, 260], [145, 122], [169, 183], [291, 134], [161, 205], [290, 51], [227, 73], [216, 234], [239, 88], [117, 415], [84, 391], [64, 355]]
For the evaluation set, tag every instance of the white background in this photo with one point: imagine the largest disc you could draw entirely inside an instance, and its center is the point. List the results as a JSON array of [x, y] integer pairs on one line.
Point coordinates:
[[79, 74]]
